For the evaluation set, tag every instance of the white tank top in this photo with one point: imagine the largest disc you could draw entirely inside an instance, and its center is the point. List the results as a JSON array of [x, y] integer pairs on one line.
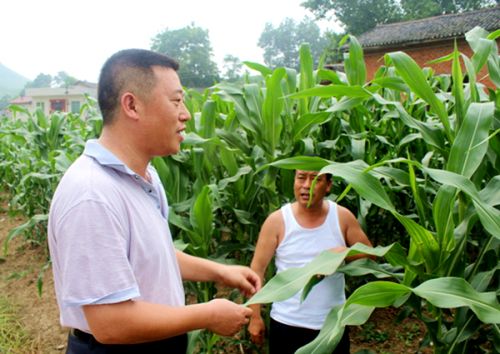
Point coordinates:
[[300, 246]]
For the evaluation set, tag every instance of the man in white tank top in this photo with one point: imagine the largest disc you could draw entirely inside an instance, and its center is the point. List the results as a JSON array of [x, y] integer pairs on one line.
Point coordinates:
[[295, 235]]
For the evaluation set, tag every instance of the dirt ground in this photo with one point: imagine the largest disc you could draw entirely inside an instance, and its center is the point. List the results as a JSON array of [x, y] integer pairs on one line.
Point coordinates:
[[20, 269]]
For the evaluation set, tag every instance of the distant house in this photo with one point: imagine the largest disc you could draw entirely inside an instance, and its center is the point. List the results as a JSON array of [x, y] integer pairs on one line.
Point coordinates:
[[427, 39], [62, 99]]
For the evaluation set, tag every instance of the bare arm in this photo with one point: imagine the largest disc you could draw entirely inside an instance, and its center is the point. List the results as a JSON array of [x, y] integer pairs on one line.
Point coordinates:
[[353, 233], [199, 269], [264, 251], [137, 321]]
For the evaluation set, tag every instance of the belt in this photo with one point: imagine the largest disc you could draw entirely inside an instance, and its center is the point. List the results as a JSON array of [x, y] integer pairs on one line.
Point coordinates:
[[84, 336]]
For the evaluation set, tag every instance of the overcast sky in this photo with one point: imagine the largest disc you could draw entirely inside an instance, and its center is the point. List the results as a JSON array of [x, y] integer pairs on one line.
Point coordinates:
[[48, 36]]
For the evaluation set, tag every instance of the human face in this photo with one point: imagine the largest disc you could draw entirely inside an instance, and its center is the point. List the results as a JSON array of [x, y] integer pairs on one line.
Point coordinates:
[[165, 114], [302, 185]]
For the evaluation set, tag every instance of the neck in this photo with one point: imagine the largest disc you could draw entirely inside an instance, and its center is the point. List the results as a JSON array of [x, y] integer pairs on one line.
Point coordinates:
[[124, 148], [311, 211]]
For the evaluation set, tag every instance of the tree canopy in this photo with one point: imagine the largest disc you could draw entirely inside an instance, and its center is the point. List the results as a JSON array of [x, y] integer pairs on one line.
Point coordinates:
[[190, 46], [359, 16], [281, 44]]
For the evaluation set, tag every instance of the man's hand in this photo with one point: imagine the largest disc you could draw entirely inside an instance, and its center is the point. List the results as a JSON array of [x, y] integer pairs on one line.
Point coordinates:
[[227, 317], [242, 278], [257, 329]]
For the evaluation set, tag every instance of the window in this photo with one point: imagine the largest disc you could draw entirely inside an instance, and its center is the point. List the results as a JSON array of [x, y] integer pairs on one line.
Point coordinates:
[[75, 106], [40, 106]]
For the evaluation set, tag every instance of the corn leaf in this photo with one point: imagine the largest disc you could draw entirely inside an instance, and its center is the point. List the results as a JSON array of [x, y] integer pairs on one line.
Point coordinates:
[[378, 294], [456, 292], [471, 142]]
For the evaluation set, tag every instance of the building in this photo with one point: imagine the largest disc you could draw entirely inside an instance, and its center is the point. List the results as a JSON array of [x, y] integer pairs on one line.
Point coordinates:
[[428, 39], [62, 99]]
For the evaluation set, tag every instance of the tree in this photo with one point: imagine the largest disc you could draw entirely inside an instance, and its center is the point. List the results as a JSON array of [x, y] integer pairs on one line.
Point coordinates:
[[62, 79], [359, 16], [281, 44], [42, 80], [232, 68], [190, 46]]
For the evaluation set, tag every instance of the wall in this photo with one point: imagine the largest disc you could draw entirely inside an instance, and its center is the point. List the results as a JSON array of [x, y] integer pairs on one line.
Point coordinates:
[[422, 54]]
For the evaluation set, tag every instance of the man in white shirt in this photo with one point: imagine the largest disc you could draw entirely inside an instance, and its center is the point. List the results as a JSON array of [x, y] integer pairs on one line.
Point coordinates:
[[295, 235], [118, 277]]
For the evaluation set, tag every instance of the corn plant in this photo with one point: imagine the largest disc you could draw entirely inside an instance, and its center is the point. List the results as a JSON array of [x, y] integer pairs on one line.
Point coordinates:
[[447, 275], [36, 150]]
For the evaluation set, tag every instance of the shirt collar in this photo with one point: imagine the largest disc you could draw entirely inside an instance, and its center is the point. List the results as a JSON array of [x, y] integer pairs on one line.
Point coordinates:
[[105, 157]]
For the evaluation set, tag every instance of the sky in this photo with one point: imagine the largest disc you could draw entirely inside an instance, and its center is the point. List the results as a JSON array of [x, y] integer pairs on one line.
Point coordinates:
[[48, 36]]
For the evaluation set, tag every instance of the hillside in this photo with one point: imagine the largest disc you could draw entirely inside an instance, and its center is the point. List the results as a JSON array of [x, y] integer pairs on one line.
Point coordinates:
[[10, 81]]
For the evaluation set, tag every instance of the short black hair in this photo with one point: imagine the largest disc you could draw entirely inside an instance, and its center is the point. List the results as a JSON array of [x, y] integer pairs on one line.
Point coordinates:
[[129, 69]]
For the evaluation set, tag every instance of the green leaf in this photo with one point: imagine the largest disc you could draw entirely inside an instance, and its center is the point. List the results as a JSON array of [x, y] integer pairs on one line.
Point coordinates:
[[333, 91], [367, 186], [287, 283], [489, 216], [456, 292], [471, 144], [305, 122], [333, 328], [201, 215], [306, 163], [411, 73], [272, 108], [378, 294]]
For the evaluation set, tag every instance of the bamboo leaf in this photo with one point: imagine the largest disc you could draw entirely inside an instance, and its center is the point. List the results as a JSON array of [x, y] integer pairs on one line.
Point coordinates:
[[456, 292]]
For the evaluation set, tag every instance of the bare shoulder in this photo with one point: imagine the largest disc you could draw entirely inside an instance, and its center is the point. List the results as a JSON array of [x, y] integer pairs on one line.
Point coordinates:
[[274, 222], [345, 215]]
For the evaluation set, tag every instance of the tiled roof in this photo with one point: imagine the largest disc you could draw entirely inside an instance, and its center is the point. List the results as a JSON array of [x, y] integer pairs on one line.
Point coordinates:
[[431, 28]]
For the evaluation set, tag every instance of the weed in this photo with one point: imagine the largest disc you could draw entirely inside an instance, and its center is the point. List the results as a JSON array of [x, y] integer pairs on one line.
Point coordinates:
[[13, 337]]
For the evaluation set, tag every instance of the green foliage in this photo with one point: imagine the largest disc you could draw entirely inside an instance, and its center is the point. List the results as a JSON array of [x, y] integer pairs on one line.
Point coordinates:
[[191, 47], [440, 162], [35, 151], [414, 155], [281, 44], [359, 16]]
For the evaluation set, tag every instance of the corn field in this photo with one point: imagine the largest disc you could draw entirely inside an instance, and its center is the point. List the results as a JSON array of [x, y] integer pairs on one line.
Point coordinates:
[[414, 154]]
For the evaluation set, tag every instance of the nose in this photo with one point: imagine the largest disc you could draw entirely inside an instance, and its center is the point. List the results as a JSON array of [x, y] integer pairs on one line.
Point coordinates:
[[184, 115], [308, 182]]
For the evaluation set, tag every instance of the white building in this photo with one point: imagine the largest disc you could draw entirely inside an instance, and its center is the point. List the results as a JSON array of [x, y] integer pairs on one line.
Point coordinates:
[[62, 99]]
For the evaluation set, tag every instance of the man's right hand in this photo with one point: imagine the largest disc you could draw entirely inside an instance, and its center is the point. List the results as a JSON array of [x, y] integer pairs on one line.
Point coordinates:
[[257, 329], [227, 317]]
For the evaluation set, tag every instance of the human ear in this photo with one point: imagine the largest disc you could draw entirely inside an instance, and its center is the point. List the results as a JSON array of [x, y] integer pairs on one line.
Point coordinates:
[[128, 102]]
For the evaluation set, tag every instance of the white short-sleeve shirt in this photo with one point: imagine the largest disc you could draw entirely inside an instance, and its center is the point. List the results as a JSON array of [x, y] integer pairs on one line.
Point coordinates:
[[109, 237]]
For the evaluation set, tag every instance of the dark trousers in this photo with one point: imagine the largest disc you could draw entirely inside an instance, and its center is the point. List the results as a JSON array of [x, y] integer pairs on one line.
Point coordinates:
[[284, 339], [83, 343]]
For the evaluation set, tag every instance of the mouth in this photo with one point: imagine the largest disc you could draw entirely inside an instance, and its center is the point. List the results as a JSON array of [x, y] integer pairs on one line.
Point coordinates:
[[304, 195], [181, 134]]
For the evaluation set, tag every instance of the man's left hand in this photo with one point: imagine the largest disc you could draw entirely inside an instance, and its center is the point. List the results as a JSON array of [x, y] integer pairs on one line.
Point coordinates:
[[242, 278]]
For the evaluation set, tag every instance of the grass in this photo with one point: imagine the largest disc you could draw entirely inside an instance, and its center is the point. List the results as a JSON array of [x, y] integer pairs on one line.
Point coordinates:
[[13, 337]]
